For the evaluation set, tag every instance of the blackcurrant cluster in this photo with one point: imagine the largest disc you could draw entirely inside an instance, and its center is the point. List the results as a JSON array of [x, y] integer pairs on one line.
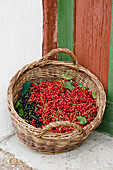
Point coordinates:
[[30, 109]]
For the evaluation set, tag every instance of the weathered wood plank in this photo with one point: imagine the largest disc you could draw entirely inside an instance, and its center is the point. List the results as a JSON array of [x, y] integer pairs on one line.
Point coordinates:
[[49, 26], [105, 43], [93, 22]]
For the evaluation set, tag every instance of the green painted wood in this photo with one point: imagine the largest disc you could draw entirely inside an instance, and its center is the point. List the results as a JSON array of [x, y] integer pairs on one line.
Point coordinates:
[[110, 77], [107, 122], [65, 13]]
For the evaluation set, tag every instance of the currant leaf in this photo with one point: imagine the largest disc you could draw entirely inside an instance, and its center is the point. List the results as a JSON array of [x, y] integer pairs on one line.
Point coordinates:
[[84, 88], [66, 76], [21, 112], [68, 85], [80, 84], [82, 119], [94, 94], [17, 104], [26, 87]]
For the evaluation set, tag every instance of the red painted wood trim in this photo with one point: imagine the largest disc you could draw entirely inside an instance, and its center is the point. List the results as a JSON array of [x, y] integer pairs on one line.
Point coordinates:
[[49, 26], [105, 43], [93, 23]]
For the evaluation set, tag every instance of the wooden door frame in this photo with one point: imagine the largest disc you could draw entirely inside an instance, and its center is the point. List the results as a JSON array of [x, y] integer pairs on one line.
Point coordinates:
[[91, 40], [88, 36]]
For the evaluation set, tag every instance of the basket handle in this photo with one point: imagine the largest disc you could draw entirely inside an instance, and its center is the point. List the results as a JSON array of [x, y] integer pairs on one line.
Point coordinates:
[[76, 127], [62, 50]]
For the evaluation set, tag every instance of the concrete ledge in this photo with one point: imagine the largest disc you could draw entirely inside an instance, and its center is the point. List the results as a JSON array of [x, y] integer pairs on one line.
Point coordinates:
[[95, 153]]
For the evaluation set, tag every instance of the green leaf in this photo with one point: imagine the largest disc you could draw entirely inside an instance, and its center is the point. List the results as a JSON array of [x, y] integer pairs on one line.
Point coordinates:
[[82, 119], [84, 88], [94, 95], [21, 112], [17, 104], [68, 85], [26, 87], [20, 106], [66, 76], [80, 84]]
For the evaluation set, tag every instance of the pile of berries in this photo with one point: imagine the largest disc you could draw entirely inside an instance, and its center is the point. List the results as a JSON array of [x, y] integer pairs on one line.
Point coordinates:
[[52, 101], [29, 110]]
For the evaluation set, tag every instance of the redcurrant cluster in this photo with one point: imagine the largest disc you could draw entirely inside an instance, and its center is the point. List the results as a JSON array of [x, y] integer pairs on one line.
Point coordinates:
[[58, 103]]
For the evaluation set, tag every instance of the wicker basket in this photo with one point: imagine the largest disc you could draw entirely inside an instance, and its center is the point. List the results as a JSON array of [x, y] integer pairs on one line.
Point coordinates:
[[42, 140]]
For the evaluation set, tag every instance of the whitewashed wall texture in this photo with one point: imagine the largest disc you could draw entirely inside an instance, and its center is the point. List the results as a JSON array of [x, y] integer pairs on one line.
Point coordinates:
[[20, 44]]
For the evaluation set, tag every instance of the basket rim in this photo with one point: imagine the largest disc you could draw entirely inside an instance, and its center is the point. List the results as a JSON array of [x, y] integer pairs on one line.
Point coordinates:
[[41, 63]]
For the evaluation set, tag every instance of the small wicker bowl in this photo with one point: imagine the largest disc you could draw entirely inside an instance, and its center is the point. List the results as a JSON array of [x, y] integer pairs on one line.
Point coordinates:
[[42, 140]]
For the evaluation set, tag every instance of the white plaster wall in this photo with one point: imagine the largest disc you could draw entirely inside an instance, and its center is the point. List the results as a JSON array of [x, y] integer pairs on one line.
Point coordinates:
[[20, 43]]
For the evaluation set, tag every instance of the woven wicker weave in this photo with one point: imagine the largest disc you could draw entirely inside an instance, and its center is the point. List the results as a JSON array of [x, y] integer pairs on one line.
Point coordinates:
[[42, 140]]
